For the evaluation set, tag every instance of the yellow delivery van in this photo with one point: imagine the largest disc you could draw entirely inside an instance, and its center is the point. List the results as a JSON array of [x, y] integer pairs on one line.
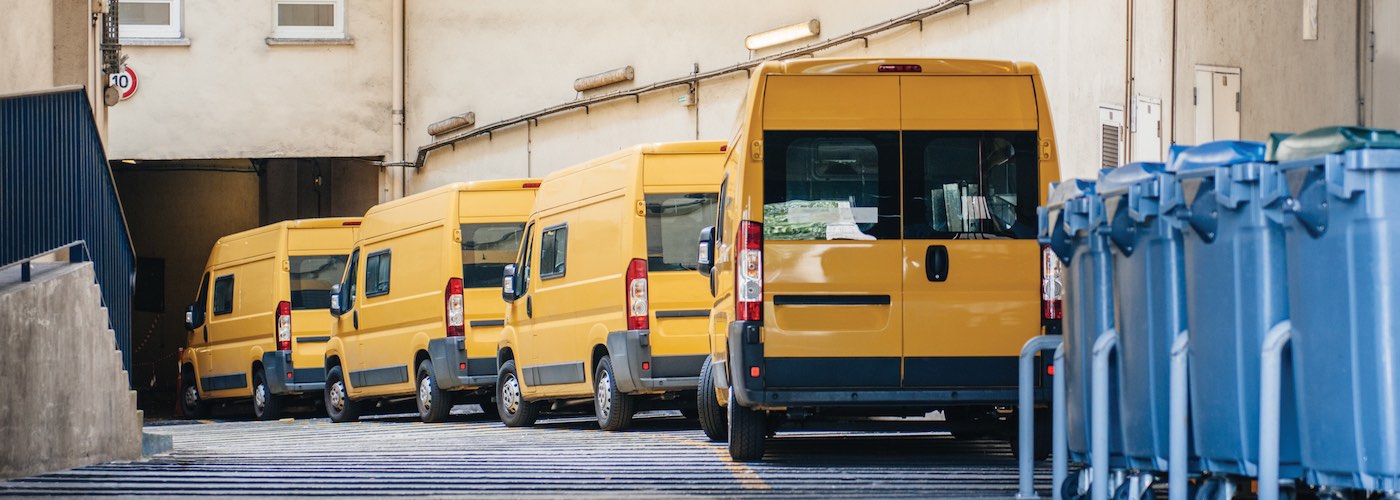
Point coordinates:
[[605, 305], [875, 253], [418, 313], [260, 320]]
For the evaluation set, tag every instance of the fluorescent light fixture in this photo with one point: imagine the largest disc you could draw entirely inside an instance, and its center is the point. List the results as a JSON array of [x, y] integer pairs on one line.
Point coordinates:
[[461, 121], [619, 75], [783, 35], [129, 162]]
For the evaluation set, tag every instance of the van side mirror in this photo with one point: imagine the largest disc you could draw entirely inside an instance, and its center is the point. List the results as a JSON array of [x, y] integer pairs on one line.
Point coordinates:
[[706, 262], [508, 284], [193, 317], [335, 300]]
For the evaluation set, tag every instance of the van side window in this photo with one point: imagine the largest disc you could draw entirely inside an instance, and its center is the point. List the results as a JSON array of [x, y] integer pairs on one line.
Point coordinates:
[[719, 209], [970, 185], [525, 259], [377, 273], [201, 301], [351, 279], [831, 185], [554, 243], [223, 295]]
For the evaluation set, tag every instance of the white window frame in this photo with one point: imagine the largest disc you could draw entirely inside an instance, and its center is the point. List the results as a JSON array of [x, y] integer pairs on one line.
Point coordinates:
[[331, 32], [172, 30]]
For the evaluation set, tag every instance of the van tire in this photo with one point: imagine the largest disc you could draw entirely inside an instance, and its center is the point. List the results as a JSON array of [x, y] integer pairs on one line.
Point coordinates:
[[266, 405], [613, 407], [434, 404], [339, 406], [510, 401], [748, 429], [194, 406], [712, 417]]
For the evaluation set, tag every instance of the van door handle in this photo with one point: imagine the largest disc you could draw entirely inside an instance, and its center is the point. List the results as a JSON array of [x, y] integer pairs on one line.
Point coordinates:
[[529, 307], [936, 263], [355, 318], [206, 333]]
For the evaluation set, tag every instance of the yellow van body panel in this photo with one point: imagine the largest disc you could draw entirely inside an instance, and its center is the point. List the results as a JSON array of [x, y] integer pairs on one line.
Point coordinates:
[[380, 337], [257, 261], [565, 320], [979, 314]]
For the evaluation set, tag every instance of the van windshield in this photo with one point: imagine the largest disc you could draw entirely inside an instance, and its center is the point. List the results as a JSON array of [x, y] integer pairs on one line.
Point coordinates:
[[486, 249], [674, 222], [312, 277]]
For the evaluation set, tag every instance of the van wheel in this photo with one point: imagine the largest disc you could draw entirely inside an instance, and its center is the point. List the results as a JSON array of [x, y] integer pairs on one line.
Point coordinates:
[[433, 403], [748, 429], [712, 418], [1041, 444], [614, 407], [193, 406], [338, 404], [510, 403], [266, 405]]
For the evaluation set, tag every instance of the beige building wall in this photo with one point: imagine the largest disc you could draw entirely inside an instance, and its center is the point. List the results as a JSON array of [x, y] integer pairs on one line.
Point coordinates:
[[53, 43], [231, 93]]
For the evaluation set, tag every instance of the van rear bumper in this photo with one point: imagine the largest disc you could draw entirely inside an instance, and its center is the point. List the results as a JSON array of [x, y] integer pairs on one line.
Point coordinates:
[[629, 349], [284, 378], [746, 353], [453, 370]]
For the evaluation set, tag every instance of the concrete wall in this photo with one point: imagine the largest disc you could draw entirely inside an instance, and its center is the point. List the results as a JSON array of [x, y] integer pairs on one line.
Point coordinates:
[[26, 48], [66, 401], [50, 43], [229, 94], [177, 216]]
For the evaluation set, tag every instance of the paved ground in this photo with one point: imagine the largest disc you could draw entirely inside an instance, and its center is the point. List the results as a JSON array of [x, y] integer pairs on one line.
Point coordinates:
[[664, 455]]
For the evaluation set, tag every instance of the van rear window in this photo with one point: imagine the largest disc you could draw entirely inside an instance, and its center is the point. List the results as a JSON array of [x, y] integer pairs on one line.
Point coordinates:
[[831, 185], [674, 222], [970, 185], [312, 277], [486, 249]]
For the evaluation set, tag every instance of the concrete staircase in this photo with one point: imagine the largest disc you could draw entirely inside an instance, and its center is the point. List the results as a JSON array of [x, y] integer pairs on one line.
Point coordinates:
[[65, 400]]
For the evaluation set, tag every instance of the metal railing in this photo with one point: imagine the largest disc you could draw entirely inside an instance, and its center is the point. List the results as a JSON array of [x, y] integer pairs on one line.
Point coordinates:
[[56, 190]]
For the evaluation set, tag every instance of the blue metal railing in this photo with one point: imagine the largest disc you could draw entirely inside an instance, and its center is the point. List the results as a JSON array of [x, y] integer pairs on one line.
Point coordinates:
[[56, 190]]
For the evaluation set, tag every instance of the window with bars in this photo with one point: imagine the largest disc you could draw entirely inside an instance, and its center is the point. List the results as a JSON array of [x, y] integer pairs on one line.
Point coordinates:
[[308, 18], [150, 19]]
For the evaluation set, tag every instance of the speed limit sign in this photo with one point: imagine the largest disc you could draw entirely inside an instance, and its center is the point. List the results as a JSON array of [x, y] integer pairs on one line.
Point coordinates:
[[125, 82]]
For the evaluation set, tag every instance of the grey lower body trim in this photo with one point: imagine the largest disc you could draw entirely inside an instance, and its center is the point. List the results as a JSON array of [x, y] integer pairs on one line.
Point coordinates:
[[720, 371], [276, 366], [379, 376], [555, 374], [222, 382], [629, 349], [449, 354]]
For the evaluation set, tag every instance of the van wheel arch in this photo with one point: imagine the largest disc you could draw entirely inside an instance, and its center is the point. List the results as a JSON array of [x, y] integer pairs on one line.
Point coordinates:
[[600, 351]]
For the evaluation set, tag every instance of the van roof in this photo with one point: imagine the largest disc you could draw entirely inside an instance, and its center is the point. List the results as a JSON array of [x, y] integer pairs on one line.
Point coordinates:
[[929, 66], [491, 185], [678, 147], [292, 224]]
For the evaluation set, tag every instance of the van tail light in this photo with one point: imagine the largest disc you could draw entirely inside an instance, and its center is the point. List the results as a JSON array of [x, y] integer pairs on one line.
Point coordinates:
[[1052, 289], [284, 326], [748, 273], [637, 295], [452, 301]]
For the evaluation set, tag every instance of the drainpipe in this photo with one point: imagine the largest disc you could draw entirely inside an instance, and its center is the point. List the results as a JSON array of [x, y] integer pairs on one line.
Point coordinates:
[[1128, 89], [397, 186]]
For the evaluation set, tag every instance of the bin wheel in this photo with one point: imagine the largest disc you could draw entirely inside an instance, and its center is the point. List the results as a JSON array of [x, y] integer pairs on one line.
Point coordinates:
[[266, 405], [339, 406], [1069, 490], [613, 407], [434, 404], [748, 428], [1043, 436], [712, 417], [194, 406], [510, 402]]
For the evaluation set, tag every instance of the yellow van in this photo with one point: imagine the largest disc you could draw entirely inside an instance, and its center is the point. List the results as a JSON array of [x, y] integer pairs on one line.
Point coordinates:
[[259, 322], [417, 314], [606, 307], [875, 253]]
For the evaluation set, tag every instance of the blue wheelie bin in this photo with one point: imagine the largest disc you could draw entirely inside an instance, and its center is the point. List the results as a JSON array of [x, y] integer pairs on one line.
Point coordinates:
[[1343, 258], [1149, 292], [1075, 227], [1235, 292]]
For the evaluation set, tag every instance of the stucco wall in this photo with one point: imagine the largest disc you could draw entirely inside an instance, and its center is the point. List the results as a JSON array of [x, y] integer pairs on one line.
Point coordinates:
[[229, 94], [26, 45]]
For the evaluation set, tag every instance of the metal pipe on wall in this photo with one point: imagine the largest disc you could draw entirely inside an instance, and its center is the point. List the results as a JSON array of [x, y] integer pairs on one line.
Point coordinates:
[[397, 185], [1128, 110]]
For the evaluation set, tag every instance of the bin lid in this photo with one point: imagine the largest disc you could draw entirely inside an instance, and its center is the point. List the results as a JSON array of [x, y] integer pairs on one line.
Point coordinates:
[[1114, 181], [1217, 154], [1328, 140], [1062, 192]]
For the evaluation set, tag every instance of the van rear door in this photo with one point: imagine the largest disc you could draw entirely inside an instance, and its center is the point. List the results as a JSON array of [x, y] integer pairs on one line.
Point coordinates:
[[832, 254], [971, 270]]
